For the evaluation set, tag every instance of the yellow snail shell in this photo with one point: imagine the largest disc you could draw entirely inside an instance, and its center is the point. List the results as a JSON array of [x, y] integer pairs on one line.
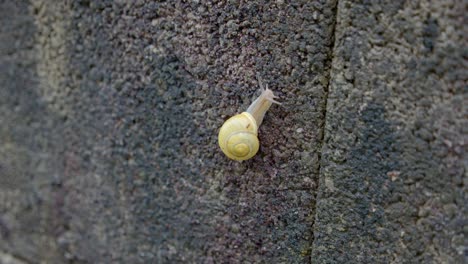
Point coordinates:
[[238, 135]]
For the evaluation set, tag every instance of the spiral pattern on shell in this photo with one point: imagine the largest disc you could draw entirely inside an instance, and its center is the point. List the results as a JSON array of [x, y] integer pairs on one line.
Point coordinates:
[[238, 137]]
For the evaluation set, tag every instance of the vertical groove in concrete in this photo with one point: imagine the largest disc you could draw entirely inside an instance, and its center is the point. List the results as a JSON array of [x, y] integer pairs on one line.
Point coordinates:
[[324, 116]]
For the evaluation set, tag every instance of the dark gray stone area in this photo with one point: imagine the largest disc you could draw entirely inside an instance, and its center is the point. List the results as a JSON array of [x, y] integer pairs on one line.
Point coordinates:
[[109, 114], [393, 171], [110, 129]]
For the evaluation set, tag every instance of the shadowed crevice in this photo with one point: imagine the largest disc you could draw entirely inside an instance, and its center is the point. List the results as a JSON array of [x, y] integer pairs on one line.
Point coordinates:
[[329, 62]]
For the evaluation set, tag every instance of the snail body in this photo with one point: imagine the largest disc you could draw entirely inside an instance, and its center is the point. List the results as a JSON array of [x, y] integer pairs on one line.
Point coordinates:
[[238, 137]]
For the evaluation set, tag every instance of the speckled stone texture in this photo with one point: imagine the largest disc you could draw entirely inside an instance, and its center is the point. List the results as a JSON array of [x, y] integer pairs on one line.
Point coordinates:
[[109, 129], [394, 167], [109, 113]]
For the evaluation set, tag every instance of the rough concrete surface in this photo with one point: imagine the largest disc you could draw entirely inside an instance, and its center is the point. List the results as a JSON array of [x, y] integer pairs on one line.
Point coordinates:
[[109, 113], [394, 167], [113, 125]]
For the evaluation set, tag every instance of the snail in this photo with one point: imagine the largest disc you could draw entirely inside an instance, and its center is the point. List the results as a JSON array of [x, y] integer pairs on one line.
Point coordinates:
[[238, 135]]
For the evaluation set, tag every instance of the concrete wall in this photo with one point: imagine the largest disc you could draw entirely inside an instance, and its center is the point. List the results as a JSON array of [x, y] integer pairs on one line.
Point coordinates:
[[109, 113]]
